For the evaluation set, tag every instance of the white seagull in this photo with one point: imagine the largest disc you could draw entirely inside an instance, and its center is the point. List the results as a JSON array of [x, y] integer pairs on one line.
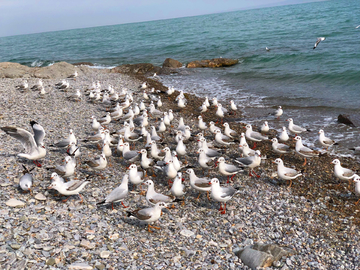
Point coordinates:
[[318, 41], [221, 194], [33, 144], [286, 173], [118, 194]]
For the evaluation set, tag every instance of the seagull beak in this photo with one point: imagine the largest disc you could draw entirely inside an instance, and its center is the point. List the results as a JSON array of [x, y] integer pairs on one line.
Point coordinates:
[[49, 187]]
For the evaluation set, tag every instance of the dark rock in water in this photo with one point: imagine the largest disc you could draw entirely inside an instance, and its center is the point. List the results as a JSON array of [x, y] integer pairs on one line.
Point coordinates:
[[213, 63], [145, 69], [171, 63], [350, 120], [84, 64], [136, 69]]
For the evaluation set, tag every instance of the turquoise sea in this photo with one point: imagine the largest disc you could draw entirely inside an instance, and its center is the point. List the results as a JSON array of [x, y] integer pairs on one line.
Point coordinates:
[[313, 86]]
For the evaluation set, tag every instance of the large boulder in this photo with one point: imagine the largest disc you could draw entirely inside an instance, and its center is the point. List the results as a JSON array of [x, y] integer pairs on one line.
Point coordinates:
[[57, 70], [14, 70], [213, 63], [172, 63], [262, 255]]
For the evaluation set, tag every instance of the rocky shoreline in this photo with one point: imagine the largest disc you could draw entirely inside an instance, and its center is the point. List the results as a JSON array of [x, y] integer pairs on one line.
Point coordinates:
[[316, 218]]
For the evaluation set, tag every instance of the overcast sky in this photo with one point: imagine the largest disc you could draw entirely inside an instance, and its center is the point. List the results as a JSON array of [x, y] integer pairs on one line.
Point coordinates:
[[35, 16]]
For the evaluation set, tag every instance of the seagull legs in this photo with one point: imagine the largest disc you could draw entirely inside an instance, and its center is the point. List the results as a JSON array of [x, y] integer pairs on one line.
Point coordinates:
[[251, 170], [304, 162], [149, 226], [223, 209], [124, 205], [37, 163]]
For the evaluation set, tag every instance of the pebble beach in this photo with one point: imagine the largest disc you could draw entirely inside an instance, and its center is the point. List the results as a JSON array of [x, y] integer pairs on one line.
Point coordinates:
[[315, 218]]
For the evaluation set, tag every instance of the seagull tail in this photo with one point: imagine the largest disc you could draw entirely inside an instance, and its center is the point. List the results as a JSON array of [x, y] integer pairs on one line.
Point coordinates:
[[101, 202]]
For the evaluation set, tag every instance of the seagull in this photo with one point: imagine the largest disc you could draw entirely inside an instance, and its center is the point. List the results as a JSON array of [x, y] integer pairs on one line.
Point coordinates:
[[265, 127], [98, 164], [128, 155], [118, 194], [56, 178], [178, 188], [66, 170], [324, 141], [23, 86], [221, 194], [149, 215], [199, 184], [72, 187], [303, 150], [38, 85], [246, 150], [181, 148], [294, 128], [251, 162], [228, 131], [204, 160], [145, 162], [74, 75], [357, 186], [233, 106], [33, 144], [67, 141], [318, 41], [267, 49], [222, 139], [253, 135], [95, 124], [341, 172], [135, 176], [208, 151], [106, 119], [286, 173], [227, 169], [153, 197], [279, 148], [284, 136], [26, 180], [202, 125], [357, 26], [155, 152], [278, 112]]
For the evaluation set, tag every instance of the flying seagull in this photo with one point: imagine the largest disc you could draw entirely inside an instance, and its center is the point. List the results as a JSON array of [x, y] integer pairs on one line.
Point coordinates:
[[318, 41]]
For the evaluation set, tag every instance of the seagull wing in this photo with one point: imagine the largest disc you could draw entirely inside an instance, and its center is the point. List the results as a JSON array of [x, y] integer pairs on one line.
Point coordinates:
[[39, 133], [24, 136]]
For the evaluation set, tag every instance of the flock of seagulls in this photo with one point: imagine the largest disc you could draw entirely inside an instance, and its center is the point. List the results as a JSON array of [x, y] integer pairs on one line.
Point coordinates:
[[155, 144]]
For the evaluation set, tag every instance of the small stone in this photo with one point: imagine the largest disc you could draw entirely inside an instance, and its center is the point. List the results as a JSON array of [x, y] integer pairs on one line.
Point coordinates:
[[50, 261], [40, 197], [15, 203], [100, 266], [90, 236], [114, 237], [198, 236], [80, 266], [87, 244], [187, 233], [105, 254], [15, 246]]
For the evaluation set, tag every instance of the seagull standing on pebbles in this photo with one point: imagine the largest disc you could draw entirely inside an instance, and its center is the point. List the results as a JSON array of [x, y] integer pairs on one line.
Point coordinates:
[[324, 141], [253, 135], [73, 187], [278, 112], [303, 150], [295, 128], [284, 136], [118, 194], [251, 162], [286, 173], [341, 172], [221, 194], [26, 180], [227, 169], [149, 215]]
